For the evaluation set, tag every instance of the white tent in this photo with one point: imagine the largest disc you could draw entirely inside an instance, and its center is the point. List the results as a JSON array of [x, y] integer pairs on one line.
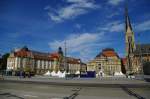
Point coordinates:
[[120, 74], [47, 73], [64, 74], [53, 73], [117, 73], [123, 75], [77, 72], [59, 73]]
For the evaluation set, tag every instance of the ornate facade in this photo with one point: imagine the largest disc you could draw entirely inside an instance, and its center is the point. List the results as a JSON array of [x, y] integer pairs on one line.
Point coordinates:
[[107, 62], [39, 62], [141, 55]]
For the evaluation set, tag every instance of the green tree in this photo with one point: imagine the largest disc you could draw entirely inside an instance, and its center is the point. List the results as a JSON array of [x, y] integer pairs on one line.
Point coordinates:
[[3, 61]]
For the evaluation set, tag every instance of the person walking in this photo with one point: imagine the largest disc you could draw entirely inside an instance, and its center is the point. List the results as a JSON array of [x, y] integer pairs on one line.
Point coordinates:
[[20, 74]]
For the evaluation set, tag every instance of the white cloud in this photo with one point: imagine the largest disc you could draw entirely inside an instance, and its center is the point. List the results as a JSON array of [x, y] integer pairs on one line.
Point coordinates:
[[144, 26], [81, 45], [115, 26], [115, 2], [75, 40], [118, 26], [72, 10], [78, 26], [113, 14], [76, 1]]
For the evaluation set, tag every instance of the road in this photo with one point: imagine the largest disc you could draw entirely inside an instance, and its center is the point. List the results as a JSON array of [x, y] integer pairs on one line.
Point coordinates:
[[16, 90], [80, 81]]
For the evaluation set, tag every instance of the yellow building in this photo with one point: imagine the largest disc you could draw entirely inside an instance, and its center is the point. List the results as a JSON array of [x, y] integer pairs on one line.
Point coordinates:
[[25, 59], [105, 63]]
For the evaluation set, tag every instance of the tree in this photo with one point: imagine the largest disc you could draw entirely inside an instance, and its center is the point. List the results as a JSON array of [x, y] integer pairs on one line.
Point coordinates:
[[3, 61]]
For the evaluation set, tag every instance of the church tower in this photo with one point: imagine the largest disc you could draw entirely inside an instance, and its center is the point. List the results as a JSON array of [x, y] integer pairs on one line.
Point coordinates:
[[130, 43]]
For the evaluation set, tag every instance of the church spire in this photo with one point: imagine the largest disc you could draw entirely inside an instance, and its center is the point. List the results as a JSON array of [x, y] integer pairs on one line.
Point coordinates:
[[127, 20], [130, 43]]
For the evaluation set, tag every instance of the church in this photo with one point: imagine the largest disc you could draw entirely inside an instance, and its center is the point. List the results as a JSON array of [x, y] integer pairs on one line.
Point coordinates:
[[136, 54]]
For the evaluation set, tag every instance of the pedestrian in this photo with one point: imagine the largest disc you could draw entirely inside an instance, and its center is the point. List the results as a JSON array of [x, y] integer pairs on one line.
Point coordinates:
[[24, 75], [29, 76], [20, 74], [2, 75]]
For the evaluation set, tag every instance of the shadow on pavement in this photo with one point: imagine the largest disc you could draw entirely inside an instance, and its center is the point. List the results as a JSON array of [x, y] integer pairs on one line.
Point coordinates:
[[74, 95], [131, 93], [10, 95]]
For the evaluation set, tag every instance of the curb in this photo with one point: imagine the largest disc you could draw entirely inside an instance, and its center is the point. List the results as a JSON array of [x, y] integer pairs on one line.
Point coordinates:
[[79, 84]]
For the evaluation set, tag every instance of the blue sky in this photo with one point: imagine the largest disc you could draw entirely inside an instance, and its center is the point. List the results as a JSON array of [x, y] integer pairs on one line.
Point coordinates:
[[87, 26]]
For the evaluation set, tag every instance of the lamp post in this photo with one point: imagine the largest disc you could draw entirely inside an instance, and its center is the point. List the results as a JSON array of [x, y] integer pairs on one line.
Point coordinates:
[[65, 60]]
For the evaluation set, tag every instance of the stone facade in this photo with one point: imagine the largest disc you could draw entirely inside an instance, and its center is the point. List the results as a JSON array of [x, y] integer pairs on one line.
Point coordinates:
[[39, 62], [141, 55], [107, 63]]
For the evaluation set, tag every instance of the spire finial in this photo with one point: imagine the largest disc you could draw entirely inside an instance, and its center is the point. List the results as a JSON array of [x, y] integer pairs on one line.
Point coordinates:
[[127, 19]]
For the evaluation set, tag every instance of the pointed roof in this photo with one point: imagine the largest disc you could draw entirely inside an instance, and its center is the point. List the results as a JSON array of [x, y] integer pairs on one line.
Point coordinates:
[[127, 20]]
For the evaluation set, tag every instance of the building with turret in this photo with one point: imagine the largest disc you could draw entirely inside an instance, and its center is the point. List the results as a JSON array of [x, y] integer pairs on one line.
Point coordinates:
[[28, 60]]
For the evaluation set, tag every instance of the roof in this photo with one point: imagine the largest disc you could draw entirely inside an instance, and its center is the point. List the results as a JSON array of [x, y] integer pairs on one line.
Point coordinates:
[[108, 52], [108, 49], [72, 60], [25, 52], [54, 55]]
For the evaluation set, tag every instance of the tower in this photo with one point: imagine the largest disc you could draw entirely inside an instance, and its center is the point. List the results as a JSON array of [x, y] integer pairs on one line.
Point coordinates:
[[60, 52], [130, 43], [60, 59]]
